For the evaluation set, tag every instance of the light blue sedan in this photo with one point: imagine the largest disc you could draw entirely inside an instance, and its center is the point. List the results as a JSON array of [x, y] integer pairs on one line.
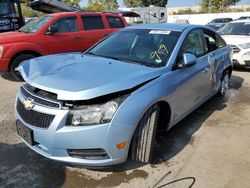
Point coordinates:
[[93, 108]]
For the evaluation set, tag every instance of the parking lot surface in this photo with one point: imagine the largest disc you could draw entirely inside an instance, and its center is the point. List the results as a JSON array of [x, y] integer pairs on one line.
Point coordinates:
[[209, 148]]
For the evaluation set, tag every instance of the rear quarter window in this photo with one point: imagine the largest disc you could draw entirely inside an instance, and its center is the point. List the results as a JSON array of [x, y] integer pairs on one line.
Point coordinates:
[[115, 22]]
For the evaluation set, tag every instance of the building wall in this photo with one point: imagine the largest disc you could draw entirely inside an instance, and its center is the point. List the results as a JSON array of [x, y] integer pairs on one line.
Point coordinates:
[[205, 18]]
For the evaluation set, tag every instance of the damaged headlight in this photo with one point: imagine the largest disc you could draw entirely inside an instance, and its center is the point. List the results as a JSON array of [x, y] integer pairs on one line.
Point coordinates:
[[94, 114]]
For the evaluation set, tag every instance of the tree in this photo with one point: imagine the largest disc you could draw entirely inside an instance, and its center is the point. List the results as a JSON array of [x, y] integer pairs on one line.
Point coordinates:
[[216, 5], [145, 3], [28, 12], [103, 5], [74, 3]]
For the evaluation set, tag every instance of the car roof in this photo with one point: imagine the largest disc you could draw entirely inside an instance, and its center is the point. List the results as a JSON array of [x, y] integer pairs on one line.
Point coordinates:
[[81, 13], [241, 21], [162, 26]]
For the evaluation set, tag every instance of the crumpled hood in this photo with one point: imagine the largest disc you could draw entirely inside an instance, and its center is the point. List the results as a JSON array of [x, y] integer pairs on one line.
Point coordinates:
[[236, 39], [10, 37], [73, 76]]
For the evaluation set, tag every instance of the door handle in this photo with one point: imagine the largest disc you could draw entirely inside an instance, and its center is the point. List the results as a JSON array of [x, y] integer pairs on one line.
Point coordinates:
[[77, 37]]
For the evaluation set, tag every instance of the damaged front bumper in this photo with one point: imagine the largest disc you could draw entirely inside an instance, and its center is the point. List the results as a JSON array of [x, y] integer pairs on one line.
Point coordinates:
[[86, 145]]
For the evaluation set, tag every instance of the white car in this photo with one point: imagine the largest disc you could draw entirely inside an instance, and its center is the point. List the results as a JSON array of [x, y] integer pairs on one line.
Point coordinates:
[[237, 35]]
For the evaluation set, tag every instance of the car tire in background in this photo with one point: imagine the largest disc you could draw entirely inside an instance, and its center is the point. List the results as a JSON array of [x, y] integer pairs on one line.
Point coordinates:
[[16, 62], [224, 84], [144, 137]]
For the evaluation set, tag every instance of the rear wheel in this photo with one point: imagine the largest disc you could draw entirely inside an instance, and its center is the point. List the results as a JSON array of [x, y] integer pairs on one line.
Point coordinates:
[[16, 62], [224, 85], [144, 136]]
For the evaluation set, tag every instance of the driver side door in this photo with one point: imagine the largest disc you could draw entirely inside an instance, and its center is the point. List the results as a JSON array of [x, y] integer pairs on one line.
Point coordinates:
[[193, 82], [67, 37]]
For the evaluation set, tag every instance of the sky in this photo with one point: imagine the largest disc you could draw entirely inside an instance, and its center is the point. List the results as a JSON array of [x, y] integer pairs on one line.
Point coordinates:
[[174, 3]]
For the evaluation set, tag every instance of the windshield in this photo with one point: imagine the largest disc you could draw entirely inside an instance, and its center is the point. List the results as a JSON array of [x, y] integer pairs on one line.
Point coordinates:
[[147, 47], [217, 21], [35, 24], [240, 28], [3, 8]]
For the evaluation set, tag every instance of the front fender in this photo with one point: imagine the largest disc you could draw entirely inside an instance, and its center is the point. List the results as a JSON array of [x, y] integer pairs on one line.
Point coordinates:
[[10, 50]]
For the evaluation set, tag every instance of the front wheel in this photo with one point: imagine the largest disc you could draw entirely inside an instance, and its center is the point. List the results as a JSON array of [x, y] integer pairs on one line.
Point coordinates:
[[224, 85], [144, 136], [16, 62]]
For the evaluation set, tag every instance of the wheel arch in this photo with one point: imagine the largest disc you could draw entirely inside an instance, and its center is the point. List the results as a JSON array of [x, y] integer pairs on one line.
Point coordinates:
[[32, 52]]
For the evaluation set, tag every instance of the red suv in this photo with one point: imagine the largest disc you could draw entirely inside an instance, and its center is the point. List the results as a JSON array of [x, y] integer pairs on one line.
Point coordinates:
[[55, 33]]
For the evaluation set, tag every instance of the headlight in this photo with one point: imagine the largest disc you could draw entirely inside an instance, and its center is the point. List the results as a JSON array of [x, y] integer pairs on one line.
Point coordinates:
[[245, 46], [94, 114], [1, 51]]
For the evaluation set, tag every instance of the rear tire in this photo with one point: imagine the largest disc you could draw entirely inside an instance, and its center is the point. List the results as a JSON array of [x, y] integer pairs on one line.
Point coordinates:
[[224, 84], [144, 136], [16, 62]]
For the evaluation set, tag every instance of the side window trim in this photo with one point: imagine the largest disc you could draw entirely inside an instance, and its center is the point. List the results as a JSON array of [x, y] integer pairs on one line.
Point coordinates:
[[203, 46], [115, 17], [92, 15], [62, 18]]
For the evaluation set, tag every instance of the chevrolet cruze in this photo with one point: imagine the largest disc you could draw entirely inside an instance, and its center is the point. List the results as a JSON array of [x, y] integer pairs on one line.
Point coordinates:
[[93, 108]]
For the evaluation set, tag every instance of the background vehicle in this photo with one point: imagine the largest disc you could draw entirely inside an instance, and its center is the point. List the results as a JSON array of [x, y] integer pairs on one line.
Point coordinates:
[[55, 33], [11, 18], [151, 14], [217, 23], [94, 108], [237, 35], [243, 17]]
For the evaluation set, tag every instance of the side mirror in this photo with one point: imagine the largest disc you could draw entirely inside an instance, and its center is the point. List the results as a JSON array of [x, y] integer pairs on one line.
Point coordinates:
[[51, 30], [189, 60]]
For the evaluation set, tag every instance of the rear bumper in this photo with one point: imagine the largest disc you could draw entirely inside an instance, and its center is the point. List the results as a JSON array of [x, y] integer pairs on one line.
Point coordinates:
[[4, 64]]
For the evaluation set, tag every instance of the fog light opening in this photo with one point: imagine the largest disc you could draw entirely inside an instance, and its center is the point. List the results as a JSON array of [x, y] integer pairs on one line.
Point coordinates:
[[89, 154]]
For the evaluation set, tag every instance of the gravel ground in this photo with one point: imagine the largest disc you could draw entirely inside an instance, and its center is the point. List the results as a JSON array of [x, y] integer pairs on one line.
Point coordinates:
[[209, 148]]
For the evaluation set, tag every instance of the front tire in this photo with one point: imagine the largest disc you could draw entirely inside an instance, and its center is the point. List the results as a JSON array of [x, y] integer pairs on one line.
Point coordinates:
[[16, 62], [144, 136]]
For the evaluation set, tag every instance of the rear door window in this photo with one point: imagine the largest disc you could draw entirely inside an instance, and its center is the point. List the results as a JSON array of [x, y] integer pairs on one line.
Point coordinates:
[[213, 41], [92, 22], [115, 22]]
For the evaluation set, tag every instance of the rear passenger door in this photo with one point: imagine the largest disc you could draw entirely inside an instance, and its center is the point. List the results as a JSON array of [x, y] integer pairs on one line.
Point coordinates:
[[216, 54], [93, 30]]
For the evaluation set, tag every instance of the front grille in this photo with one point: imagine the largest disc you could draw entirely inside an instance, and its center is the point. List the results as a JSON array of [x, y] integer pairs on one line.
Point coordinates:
[[247, 63], [34, 118], [235, 62], [38, 100], [235, 48]]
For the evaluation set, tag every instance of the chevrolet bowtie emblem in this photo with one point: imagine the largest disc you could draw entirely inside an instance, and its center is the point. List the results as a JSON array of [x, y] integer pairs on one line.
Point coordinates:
[[28, 105]]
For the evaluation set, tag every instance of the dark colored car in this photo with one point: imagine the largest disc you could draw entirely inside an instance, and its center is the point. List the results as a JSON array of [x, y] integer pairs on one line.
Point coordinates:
[[218, 23]]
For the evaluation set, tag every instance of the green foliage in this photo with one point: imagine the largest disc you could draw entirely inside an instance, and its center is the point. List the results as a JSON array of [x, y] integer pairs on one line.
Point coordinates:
[[103, 5], [145, 3], [186, 11], [74, 3], [28, 12], [216, 5]]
